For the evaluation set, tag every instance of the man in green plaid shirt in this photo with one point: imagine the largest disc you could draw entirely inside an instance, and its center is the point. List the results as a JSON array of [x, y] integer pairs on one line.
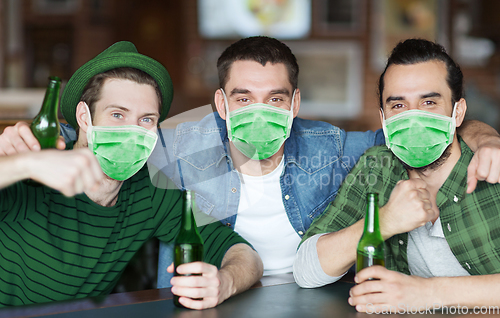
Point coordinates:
[[442, 243]]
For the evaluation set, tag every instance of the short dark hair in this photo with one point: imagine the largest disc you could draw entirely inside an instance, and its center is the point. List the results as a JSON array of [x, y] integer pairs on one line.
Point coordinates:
[[413, 51], [260, 49]]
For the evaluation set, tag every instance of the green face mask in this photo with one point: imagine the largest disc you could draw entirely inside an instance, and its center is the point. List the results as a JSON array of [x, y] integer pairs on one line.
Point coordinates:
[[419, 137], [258, 130], [120, 150]]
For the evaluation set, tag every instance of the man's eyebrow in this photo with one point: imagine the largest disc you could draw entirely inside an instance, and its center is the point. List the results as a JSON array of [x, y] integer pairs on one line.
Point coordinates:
[[125, 109], [239, 91], [151, 114], [433, 94], [283, 91], [272, 92], [393, 98]]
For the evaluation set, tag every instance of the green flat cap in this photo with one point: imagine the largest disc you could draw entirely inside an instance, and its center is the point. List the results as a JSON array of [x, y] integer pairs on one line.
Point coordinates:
[[120, 54]]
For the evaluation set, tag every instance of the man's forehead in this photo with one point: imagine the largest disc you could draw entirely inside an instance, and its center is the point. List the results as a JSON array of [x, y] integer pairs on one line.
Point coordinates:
[[424, 68], [242, 73], [128, 96], [416, 79]]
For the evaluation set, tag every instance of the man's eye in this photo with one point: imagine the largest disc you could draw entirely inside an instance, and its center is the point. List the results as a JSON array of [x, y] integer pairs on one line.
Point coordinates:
[[276, 99], [397, 106], [429, 102], [243, 100], [117, 115]]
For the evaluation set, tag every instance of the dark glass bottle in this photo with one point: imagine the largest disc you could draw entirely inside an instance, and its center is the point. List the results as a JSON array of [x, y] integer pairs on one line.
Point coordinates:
[[188, 245], [45, 126], [370, 249]]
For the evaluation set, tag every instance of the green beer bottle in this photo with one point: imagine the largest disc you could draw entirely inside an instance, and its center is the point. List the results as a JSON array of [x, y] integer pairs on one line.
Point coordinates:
[[370, 249], [45, 126], [188, 245]]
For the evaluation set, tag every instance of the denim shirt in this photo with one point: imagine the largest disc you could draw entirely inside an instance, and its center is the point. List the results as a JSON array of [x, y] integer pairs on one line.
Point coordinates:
[[317, 157]]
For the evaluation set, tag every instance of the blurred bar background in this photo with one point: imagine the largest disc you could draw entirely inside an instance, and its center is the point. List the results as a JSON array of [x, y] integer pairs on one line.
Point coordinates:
[[341, 46]]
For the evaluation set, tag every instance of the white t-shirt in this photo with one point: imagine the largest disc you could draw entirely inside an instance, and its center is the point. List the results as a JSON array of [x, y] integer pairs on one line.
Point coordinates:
[[263, 222]]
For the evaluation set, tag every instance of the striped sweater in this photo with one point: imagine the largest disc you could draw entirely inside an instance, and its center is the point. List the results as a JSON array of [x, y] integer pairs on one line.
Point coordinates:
[[53, 247]]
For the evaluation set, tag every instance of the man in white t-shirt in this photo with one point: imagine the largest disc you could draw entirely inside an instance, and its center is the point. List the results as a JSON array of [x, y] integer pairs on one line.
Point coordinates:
[[253, 164]]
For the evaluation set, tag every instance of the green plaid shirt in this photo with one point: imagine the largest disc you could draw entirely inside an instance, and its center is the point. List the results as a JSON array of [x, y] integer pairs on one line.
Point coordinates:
[[471, 222]]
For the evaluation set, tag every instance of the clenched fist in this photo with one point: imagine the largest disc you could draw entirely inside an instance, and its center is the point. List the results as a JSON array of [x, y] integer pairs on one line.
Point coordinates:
[[410, 206]]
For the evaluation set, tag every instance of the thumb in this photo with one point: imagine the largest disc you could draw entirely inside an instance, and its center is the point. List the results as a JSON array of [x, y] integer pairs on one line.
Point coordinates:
[[61, 144], [170, 268], [418, 183], [471, 174]]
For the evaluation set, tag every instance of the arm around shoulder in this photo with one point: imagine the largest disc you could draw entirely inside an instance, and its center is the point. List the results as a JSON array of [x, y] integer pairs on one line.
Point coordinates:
[[485, 142], [476, 133]]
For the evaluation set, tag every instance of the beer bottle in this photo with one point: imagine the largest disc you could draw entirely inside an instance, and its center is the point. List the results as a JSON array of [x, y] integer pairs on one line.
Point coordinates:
[[188, 245], [45, 126], [370, 249]]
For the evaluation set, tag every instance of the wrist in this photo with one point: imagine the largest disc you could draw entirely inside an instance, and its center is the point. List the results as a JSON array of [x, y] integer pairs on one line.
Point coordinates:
[[487, 139], [226, 285], [25, 164], [385, 228], [433, 289]]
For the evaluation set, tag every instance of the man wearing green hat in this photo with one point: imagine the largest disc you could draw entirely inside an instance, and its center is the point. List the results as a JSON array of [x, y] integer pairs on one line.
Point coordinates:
[[73, 236]]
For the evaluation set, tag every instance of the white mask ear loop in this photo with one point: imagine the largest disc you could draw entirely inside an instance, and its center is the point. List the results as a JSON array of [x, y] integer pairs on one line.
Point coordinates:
[[293, 101], [453, 121], [226, 107], [88, 113], [384, 129], [89, 128], [290, 118]]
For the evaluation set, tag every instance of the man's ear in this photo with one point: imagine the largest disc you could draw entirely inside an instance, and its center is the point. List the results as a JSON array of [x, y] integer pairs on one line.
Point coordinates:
[[82, 117], [296, 103], [219, 103], [381, 115], [460, 112]]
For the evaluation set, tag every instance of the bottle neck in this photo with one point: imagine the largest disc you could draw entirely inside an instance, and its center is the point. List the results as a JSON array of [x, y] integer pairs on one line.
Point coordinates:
[[188, 221], [371, 218], [51, 99]]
